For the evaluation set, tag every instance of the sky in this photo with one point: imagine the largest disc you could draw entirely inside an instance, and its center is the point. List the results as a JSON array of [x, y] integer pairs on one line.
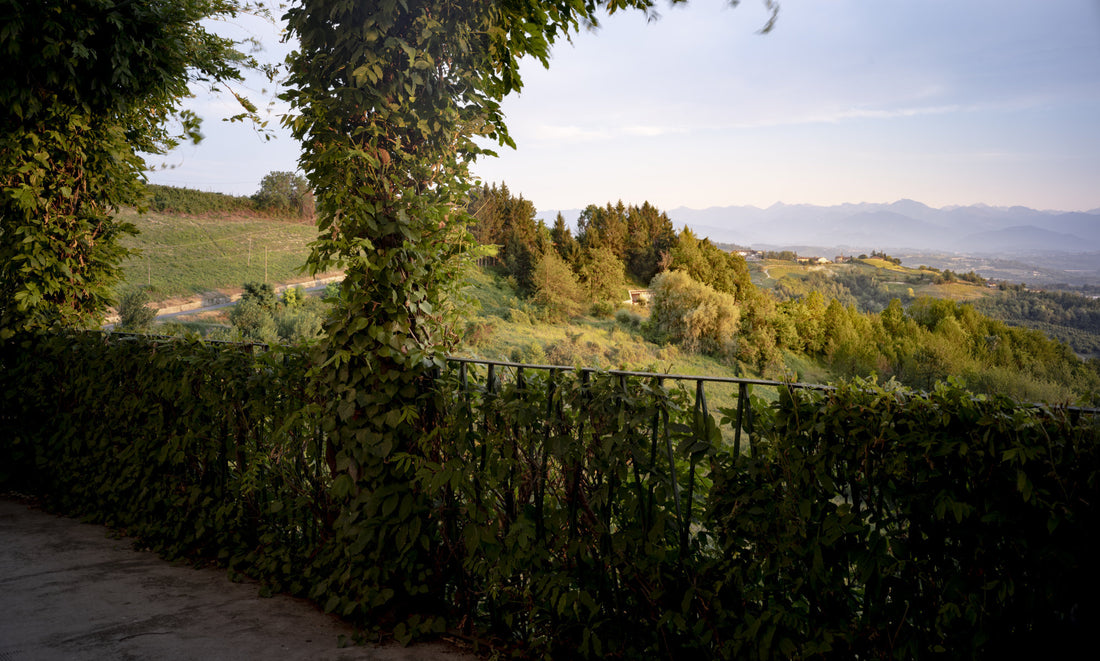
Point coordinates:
[[946, 102]]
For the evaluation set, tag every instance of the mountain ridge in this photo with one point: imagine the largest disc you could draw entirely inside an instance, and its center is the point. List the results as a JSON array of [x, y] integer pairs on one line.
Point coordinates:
[[900, 225]]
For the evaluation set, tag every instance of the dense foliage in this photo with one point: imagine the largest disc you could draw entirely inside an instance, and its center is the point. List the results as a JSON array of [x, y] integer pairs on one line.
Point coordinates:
[[388, 99], [86, 86], [195, 202], [694, 315], [587, 515], [285, 193], [134, 313], [703, 300], [1070, 317], [261, 316]]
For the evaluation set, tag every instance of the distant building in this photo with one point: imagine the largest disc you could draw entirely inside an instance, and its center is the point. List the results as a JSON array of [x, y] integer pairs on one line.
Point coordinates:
[[639, 296], [842, 259]]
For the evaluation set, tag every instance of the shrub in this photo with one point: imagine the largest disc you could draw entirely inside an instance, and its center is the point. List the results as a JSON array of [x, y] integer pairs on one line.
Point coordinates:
[[521, 315], [477, 333], [298, 324], [601, 309], [134, 313], [556, 289], [195, 202], [692, 314], [253, 321], [532, 353], [628, 318]]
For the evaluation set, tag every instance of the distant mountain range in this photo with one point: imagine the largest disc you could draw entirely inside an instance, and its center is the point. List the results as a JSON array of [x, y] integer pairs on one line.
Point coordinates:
[[904, 225]]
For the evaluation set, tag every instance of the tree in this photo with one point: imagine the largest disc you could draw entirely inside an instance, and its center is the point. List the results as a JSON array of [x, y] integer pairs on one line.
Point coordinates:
[[260, 292], [86, 86], [134, 313], [501, 219], [603, 275], [562, 238], [388, 99], [285, 192], [693, 314], [650, 235], [709, 264], [253, 321], [603, 227], [556, 288]]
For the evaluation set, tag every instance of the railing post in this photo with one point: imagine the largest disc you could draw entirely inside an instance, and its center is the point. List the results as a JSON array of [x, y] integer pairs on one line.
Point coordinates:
[[702, 414], [638, 487], [742, 397], [673, 477], [654, 433], [577, 462], [540, 483]]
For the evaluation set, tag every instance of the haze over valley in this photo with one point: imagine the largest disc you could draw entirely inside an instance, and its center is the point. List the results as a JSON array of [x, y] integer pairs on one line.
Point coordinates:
[[1019, 244]]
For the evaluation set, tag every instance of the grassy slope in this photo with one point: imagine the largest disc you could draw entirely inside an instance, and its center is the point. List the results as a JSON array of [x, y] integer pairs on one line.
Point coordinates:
[[186, 255], [766, 274], [505, 328]]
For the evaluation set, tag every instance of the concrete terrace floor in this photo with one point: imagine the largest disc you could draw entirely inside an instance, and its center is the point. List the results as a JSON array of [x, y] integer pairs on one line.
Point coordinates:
[[69, 591]]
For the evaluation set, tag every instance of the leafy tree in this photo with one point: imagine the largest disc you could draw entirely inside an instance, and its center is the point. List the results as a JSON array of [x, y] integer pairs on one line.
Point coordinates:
[[388, 98], [693, 315], [86, 86], [299, 323], [262, 293], [603, 274], [285, 192], [293, 296], [253, 321], [711, 265], [556, 288], [810, 322], [134, 313], [787, 255], [260, 316]]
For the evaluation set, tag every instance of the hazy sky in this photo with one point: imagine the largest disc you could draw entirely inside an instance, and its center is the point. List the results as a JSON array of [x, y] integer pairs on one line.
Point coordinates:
[[941, 101]]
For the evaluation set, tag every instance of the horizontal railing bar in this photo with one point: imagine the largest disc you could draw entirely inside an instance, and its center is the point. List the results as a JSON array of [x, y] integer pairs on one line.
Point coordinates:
[[661, 375], [680, 377]]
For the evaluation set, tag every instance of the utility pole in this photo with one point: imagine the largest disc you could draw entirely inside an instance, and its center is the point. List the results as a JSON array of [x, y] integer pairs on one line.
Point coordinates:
[[265, 264]]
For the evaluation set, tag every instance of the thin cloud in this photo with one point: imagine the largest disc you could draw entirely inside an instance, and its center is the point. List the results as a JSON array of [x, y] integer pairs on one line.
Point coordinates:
[[553, 133], [652, 131], [573, 133]]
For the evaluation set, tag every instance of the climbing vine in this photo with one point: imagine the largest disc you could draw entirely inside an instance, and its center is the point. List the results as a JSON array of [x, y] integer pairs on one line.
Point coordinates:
[[389, 98], [86, 86], [589, 515]]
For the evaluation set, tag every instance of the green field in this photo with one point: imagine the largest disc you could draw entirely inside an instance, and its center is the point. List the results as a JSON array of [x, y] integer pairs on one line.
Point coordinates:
[[768, 273], [182, 255]]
